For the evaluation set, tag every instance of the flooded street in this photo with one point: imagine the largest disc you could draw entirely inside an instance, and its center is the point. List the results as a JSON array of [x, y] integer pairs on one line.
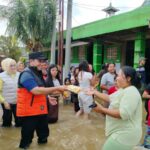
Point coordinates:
[[69, 133]]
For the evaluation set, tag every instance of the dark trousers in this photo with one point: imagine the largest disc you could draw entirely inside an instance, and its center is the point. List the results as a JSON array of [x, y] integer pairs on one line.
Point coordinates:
[[29, 125], [146, 108], [7, 116], [76, 106]]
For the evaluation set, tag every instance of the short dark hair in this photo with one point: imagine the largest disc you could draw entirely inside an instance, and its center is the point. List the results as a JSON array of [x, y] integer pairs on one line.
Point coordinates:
[[67, 79], [111, 64]]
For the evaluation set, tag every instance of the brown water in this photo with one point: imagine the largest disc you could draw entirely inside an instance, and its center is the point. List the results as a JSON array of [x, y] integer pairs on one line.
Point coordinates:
[[69, 133]]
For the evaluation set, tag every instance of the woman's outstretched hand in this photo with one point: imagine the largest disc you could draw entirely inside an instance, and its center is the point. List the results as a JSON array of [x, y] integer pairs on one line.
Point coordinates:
[[98, 108], [62, 88], [89, 91]]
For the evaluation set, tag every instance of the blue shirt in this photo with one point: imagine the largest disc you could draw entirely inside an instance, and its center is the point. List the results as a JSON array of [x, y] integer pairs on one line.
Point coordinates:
[[28, 81]]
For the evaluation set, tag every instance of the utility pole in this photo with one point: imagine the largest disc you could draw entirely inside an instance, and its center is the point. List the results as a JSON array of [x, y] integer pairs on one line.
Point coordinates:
[[53, 43], [60, 36], [68, 38]]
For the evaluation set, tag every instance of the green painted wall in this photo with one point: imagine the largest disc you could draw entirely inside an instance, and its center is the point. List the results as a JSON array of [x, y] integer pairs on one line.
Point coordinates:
[[75, 55], [137, 18], [139, 47], [97, 56]]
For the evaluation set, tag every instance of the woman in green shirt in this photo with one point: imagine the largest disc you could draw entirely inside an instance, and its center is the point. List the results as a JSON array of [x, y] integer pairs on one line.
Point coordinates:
[[124, 115]]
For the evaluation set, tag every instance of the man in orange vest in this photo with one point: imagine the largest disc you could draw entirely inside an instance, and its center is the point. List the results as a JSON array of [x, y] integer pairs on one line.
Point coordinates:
[[32, 103]]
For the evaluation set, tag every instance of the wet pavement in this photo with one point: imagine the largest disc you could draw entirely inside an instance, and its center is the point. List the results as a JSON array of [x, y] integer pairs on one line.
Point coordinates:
[[69, 133]]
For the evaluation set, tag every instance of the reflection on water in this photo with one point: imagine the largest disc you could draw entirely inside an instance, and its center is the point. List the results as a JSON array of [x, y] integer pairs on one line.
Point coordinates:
[[69, 133]]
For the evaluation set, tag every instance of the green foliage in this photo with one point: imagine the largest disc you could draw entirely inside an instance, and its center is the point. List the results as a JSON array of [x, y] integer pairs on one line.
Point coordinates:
[[23, 59], [31, 21], [9, 47]]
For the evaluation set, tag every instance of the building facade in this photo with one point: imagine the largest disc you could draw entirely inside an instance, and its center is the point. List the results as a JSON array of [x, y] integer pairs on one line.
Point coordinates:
[[121, 39]]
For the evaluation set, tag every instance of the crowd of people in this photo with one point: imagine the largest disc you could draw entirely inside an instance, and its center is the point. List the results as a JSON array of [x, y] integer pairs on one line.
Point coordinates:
[[31, 95]]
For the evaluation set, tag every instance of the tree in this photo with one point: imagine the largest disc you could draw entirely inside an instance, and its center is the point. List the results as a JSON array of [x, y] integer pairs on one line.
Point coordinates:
[[9, 47], [31, 21]]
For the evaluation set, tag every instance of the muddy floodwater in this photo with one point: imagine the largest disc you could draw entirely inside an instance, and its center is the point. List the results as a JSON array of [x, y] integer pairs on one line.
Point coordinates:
[[69, 133]]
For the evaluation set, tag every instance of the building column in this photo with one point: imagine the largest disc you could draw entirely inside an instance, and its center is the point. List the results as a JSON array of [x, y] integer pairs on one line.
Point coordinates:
[[97, 56], [75, 55], [139, 47]]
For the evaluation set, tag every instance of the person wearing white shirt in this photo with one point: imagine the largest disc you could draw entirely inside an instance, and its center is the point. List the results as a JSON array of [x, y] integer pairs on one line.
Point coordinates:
[[84, 78]]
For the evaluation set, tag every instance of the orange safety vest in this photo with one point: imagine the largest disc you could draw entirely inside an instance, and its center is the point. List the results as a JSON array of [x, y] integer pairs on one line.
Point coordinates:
[[26, 106]]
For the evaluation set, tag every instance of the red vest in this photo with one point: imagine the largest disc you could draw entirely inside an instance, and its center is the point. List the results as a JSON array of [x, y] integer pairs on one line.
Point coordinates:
[[29, 104]]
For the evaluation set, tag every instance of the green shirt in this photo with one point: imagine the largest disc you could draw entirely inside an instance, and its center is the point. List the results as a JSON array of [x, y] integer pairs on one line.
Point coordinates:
[[128, 129]]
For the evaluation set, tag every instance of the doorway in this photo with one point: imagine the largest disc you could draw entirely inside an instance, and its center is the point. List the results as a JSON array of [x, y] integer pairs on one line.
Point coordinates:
[[147, 65], [129, 53], [90, 53]]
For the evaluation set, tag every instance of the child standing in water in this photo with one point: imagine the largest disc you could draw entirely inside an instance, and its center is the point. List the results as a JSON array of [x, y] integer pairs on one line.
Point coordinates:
[[67, 94], [84, 78]]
